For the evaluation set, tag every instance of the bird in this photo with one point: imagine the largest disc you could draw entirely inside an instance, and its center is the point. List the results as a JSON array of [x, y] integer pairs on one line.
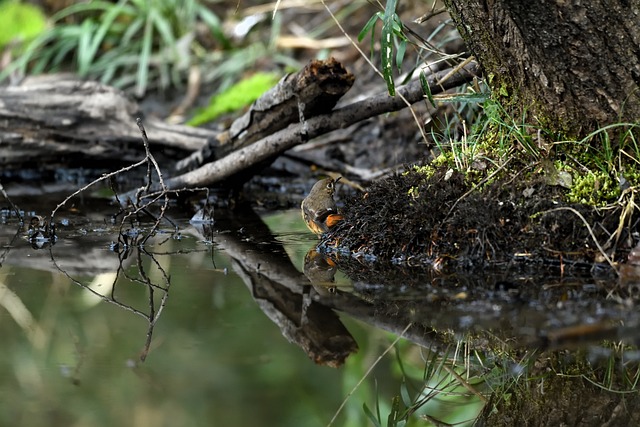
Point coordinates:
[[319, 210]]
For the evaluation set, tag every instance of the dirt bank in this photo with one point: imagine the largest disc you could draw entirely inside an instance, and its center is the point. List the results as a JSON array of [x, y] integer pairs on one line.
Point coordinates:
[[440, 221]]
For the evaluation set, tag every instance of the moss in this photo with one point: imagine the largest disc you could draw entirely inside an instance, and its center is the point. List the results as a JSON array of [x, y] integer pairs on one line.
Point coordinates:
[[413, 193], [590, 168], [426, 170], [595, 188], [503, 91]]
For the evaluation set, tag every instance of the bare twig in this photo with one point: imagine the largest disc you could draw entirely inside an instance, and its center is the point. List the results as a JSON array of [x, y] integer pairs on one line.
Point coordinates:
[[589, 229], [94, 182], [151, 162], [13, 206]]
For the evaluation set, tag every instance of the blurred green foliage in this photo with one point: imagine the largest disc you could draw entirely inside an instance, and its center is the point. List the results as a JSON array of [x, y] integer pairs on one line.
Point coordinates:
[[136, 43], [235, 97], [19, 22]]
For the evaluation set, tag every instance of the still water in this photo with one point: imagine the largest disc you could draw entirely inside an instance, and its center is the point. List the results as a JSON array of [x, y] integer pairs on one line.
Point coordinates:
[[218, 325]]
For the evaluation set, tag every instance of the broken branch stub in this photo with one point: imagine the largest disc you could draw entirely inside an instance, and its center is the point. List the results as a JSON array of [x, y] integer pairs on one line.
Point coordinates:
[[311, 91]]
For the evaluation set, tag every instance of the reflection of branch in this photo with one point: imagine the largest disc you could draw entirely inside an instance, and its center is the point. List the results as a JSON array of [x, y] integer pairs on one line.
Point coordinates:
[[153, 315], [267, 271], [154, 310], [317, 330], [278, 287], [9, 246]]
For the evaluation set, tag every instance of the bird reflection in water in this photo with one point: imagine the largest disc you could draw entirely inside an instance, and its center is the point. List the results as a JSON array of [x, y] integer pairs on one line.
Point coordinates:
[[321, 271]]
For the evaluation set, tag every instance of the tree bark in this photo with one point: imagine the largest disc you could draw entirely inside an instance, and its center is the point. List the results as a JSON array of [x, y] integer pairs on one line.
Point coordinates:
[[571, 66]]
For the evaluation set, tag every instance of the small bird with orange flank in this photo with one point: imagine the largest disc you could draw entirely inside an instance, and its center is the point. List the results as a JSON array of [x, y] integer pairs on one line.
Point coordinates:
[[319, 210]]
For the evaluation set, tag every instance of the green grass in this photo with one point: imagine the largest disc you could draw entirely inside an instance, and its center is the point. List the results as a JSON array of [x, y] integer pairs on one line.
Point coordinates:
[[136, 44], [438, 387], [596, 170]]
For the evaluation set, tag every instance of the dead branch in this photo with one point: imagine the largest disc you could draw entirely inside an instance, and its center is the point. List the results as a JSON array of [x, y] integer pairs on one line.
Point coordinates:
[[282, 292], [277, 143]]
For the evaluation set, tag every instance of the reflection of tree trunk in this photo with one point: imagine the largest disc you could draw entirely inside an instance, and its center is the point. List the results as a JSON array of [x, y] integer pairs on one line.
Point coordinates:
[[569, 64]]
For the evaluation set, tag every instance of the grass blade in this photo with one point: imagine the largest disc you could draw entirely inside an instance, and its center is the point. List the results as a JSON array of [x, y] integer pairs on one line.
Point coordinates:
[[145, 55], [368, 27], [84, 43], [426, 88], [371, 416], [106, 22], [387, 45]]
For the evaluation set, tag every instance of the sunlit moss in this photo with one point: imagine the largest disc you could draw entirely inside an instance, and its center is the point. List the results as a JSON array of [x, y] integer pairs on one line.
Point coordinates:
[[594, 169], [595, 188], [445, 158], [426, 170]]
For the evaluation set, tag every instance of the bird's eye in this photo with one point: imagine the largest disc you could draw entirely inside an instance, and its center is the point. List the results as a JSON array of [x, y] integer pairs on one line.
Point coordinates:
[[330, 185]]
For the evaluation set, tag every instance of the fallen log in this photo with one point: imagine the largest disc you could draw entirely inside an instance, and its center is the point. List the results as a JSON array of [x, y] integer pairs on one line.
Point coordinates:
[[57, 121], [60, 121]]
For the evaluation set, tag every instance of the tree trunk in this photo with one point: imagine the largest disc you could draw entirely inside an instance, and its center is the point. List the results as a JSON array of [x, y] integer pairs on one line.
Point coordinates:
[[571, 66]]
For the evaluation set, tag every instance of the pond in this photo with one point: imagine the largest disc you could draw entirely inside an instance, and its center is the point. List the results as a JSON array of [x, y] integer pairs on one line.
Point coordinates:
[[239, 322]]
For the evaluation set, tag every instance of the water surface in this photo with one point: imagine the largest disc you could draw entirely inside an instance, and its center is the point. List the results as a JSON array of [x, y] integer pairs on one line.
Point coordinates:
[[217, 324]]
